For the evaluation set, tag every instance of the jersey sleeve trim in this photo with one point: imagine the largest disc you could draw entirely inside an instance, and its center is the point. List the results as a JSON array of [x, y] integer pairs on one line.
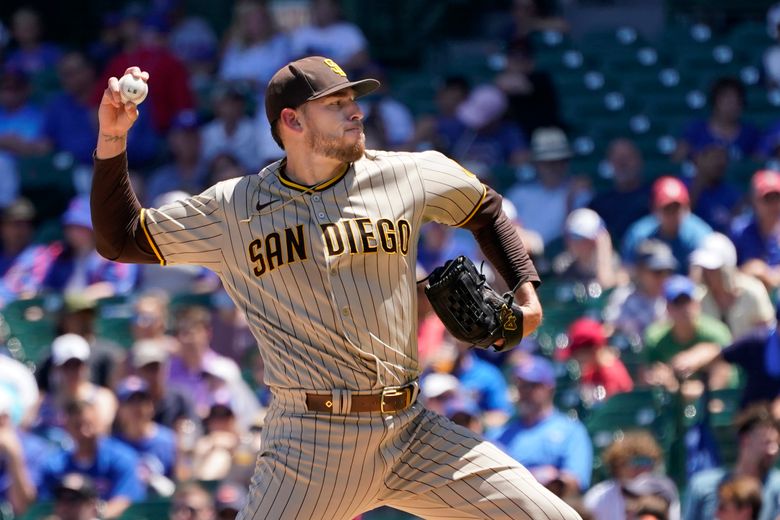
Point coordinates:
[[474, 211], [150, 239]]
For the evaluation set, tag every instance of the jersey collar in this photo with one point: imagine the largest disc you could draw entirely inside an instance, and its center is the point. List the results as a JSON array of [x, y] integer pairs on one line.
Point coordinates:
[[286, 181]]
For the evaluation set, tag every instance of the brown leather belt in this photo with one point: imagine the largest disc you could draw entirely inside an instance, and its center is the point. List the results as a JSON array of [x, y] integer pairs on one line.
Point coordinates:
[[392, 399]]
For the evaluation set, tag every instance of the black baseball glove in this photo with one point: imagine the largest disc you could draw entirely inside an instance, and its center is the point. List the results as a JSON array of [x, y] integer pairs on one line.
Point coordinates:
[[472, 310]]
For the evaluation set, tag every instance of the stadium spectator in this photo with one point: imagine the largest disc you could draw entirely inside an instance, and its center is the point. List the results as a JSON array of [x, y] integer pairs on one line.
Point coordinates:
[[186, 367], [430, 130], [255, 48], [108, 42], [650, 497], [153, 443], [21, 128], [626, 458], [671, 221], [771, 57], [75, 498], [589, 256], [757, 441], [151, 319], [192, 502], [549, 443], [69, 123], [106, 358], [739, 499], [231, 131], [739, 300], [387, 123], [602, 372], [187, 170], [756, 236], [143, 46], [542, 206], [72, 265], [685, 344], [713, 198], [69, 381], [17, 226], [481, 138], [214, 451], [16, 378], [172, 407], [626, 201], [229, 498], [480, 381], [110, 464], [632, 308], [30, 54], [21, 457], [533, 100], [330, 35], [724, 126], [532, 16]]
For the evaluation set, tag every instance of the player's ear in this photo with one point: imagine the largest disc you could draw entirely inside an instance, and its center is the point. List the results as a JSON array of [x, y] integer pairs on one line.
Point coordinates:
[[289, 118]]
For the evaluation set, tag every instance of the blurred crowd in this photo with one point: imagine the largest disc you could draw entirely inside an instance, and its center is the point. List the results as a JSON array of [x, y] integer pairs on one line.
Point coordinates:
[[655, 284]]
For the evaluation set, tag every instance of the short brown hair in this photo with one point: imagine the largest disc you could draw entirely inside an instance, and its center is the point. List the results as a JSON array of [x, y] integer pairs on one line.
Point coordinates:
[[743, 492], [195, 314], [755, 415], [636, 443]]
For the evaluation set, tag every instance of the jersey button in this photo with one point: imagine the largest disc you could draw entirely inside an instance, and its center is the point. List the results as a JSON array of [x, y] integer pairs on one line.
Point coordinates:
[[316, 198], [321, 214], [333, 271], [345, 311]]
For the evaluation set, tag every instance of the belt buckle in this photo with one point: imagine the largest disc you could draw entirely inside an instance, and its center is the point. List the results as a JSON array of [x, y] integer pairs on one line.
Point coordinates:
[[394, 391]]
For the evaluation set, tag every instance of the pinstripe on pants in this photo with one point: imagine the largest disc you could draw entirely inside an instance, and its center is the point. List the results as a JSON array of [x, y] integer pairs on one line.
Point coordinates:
[[322, 466]]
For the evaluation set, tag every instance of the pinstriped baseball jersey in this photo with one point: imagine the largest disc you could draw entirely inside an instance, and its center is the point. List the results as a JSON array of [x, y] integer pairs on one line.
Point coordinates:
[[325, 275]]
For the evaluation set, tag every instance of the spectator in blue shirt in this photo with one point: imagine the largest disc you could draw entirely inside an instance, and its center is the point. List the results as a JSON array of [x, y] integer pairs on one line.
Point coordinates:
[[69, 266], [724, 126], [757, 236], [627, 200], [671, 222], [757, 439], [154, 444], [70, 122], [31, 55], [713, 198], [547, 442], [111, 465]]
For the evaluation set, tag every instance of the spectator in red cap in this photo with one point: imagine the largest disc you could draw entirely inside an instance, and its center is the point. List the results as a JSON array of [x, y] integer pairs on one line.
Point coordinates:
[[757, 236], [603, 374], [671, 221]]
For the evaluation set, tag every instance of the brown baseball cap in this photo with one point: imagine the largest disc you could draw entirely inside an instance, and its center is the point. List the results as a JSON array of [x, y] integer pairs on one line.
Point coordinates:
[[307, 79]]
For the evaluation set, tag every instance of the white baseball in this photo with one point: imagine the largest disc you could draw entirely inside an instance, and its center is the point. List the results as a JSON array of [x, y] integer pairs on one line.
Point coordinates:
[[132, 89]]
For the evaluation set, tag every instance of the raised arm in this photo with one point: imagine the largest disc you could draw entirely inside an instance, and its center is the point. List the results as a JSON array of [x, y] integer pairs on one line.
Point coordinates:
[[116, 212]]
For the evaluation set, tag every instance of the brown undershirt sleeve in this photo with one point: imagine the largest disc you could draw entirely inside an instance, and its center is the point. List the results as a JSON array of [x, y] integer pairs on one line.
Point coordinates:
[[500, 242], [116, 214]]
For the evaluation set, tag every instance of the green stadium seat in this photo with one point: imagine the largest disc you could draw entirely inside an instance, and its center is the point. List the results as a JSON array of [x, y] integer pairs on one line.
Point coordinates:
[[44, 176], [648, 408], [113, 320], [37, 511], [32, 325], [148, 510]]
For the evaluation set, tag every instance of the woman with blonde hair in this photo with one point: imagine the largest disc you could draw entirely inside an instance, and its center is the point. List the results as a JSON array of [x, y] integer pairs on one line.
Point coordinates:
[[631, 457]]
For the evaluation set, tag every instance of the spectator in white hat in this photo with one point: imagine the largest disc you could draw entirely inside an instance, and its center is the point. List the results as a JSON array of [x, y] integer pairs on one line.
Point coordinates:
[[738, 299], [70, 382], [589, 255], [543, 205]]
